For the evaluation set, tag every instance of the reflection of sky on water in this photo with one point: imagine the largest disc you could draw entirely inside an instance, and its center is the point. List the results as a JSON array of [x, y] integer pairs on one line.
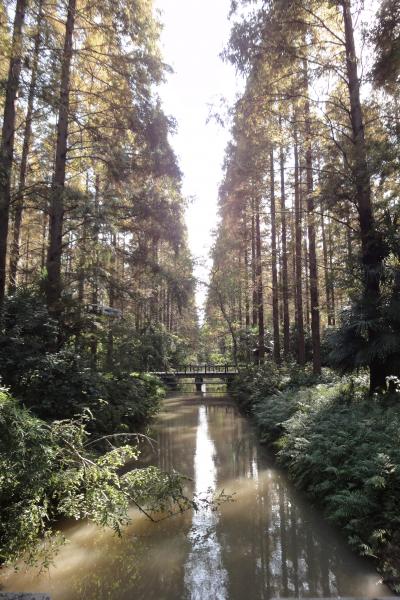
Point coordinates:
[[268, 543], [205, 576]]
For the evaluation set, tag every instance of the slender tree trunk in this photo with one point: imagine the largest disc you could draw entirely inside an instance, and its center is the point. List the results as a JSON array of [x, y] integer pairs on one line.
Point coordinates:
[[43, 242], [326, 270], [240, 290], [95, 290], [82, 273], [246, 274], [111, 299], [19, 200], [348, 235], [301, 352], [312, 250], [331, 274], [285, 285], [275, 295], [260, 292], [154, 295], [27, 253], [306, 273], [253, 265], [8, 135], [54, 251], [371, 245]]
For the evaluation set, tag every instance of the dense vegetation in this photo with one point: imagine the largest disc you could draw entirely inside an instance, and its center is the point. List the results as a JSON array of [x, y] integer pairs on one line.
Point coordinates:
[[50, 470], [96, 281], [340, 446], [96, 284], [306, 262], [306, 257]]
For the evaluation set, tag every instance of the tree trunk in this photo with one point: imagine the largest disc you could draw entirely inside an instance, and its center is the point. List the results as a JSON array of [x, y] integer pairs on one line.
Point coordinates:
[[285, 285], [246, 274], [260, 292], [54, 251], [240, 290], [253, 265], [95, 290], [19, 200], [372, 252], [326, 270], [312, 252], [111, 299], [275, 295], [301, 352], [8, 135], [43, 241], [331, 274]]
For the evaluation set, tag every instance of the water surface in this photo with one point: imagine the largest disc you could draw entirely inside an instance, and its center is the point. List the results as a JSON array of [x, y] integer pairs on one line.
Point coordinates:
[[268, 543]]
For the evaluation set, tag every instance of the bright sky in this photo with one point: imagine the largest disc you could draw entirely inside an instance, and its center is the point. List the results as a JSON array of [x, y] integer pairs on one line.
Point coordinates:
[[194, 35]]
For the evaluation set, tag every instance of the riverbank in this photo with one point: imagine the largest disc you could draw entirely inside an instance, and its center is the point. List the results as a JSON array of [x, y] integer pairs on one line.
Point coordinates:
[[51, 470], [269, 542], [340, 446]]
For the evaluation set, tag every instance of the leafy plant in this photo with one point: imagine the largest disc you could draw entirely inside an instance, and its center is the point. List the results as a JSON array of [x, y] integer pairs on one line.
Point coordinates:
[[342, 448], [50, 470]]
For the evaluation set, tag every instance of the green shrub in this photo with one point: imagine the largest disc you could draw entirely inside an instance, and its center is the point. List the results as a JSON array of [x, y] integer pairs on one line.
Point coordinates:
[[340, 446], [26, 332], [60, 387], [254, 382], [343, 449], [271, 413], [49, 471]]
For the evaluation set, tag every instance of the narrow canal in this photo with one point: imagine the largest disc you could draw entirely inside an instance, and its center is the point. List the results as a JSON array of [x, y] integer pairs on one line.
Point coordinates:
[[267, 543]]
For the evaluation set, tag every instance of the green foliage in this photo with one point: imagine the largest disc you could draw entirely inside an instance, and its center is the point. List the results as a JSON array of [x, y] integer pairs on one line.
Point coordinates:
[[272, 411], [49, 471], [254, 382], [368, 333], [61, 387], [153, 348], [386, 37], [342, 448], [59, 384], [26, 332]]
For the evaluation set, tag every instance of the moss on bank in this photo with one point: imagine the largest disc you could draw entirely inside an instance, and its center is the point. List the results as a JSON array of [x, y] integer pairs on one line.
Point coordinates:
[[341, 447]]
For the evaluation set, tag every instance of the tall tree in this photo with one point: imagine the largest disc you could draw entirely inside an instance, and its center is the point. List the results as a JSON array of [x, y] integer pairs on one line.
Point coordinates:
[[275, 294], [54, 250], [372, 248], [8, 136], [19, 200]]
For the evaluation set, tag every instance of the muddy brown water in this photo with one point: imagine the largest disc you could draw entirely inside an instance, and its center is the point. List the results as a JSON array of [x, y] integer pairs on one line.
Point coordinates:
[[268, 543]]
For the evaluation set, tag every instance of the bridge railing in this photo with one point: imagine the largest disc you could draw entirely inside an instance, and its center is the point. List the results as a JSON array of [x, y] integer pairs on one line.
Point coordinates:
[[204, 369]]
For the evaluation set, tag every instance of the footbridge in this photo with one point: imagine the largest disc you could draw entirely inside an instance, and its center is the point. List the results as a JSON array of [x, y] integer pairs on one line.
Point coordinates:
[[199, 373]]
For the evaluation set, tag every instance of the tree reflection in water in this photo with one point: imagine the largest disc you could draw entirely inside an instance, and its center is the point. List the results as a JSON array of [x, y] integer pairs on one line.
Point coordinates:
[[267, 543]]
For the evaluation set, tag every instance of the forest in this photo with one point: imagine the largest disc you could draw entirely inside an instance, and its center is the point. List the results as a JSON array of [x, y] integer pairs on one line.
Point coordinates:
[[304, 289], [96, 284], [97, 278]]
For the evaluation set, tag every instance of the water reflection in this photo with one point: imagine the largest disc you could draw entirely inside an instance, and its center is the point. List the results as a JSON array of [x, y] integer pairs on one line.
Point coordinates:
[[268, 543], [205, 576]]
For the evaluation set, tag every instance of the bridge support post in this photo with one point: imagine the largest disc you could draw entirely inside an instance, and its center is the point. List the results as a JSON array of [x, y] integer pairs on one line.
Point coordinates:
[[199, 382]]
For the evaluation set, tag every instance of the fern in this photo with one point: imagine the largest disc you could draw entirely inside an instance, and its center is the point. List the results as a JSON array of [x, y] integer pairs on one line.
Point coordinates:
[[343, 449]]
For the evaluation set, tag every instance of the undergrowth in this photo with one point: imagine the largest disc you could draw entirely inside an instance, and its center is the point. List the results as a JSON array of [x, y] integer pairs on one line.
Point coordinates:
[[342, 447], [50, 471]]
